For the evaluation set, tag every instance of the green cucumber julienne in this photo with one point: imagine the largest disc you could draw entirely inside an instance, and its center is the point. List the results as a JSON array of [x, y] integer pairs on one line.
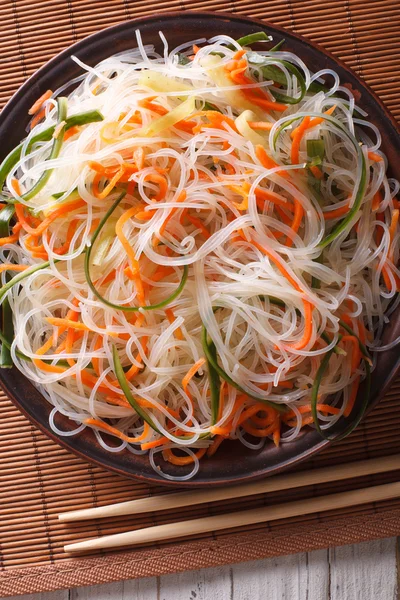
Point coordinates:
[[359, 191], [88, 253], [91, 116], [213, 360], [6, 215], [123, 382]]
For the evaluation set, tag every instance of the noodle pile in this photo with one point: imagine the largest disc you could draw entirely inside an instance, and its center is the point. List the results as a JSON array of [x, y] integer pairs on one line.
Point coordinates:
[[212, 256]]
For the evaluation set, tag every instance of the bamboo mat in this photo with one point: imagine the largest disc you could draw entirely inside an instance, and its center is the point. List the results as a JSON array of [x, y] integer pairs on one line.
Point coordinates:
[[38, 479]]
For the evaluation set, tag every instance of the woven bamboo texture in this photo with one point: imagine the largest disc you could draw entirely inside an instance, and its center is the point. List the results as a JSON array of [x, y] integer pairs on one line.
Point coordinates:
[[38, 479]]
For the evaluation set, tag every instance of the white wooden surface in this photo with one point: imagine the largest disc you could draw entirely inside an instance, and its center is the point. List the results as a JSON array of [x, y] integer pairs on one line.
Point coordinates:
[[361, 572]]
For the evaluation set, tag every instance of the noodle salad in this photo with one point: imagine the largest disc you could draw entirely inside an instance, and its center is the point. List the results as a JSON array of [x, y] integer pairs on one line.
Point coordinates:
[[198, 245]]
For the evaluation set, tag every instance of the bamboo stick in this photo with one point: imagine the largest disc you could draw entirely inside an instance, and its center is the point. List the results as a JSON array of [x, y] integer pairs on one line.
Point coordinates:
[[282, 482], [239, 519]]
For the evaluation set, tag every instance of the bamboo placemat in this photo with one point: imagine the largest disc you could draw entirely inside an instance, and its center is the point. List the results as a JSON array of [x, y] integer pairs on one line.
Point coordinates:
[[38, 479]]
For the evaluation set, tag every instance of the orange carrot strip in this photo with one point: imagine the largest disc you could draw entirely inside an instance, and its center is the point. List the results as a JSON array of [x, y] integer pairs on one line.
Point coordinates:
[[36, 231], [315, 121], [356, 353], [161, 181], [260, 125], [200, 225], [182, 460], [38, 117], [181, 198], [71, 132], [374, 156], [171, 318], [239, 54], [38, 104], [297, 219], [267, 161], [11, 267], [211, 450], [155, 443], [316, 171], [295, 150], [352, 398], [135, 267], [58, 322], [376, 200], [267, 104], [260, 432], [336, 213], [277, 433], [190, 374], [113, 431]]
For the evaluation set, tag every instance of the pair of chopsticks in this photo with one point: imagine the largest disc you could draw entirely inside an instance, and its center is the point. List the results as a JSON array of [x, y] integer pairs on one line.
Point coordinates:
[[238, 519]]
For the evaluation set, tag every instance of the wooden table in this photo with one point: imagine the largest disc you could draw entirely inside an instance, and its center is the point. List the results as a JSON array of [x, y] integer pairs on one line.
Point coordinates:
[[361, 572]]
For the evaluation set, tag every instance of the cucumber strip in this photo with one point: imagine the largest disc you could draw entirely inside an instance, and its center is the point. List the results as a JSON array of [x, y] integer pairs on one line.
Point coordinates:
[[91, 116], [213, 359], [55, 151], [87, 263], [123, 382]]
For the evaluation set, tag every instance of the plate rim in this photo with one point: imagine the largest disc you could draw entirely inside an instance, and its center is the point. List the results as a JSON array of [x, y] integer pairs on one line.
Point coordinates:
[[12, 107]]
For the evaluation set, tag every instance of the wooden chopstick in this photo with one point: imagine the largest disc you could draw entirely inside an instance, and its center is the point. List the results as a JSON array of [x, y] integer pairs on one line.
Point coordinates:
[[238, 519], [280, 482]]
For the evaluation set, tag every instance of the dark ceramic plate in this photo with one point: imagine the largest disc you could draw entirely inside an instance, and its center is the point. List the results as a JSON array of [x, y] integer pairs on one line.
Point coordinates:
[[233, 462]]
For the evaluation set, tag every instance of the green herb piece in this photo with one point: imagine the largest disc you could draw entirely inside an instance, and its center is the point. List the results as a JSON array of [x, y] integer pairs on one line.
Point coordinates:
[[278, 46], [252, 38], [183, 59]]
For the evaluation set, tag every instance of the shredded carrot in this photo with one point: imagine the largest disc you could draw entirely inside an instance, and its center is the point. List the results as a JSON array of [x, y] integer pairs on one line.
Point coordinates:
[[376, 200], [195, 49], [180, 198], [352, 397], [336, 213], [71, 132], [161, 181], [297, 219], [239, 54], [190, 374], [155, 443], [356, 353], [38, 117], [211, 450], [267, 161], [182, 460], [200, 225], [113, 431], [374, 156], [11, 267], [39, 102], [135, 267], [62, 210], [315, 121], [277, 433], [295, 150], [317, 172], [260, 125], [171, 318]]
